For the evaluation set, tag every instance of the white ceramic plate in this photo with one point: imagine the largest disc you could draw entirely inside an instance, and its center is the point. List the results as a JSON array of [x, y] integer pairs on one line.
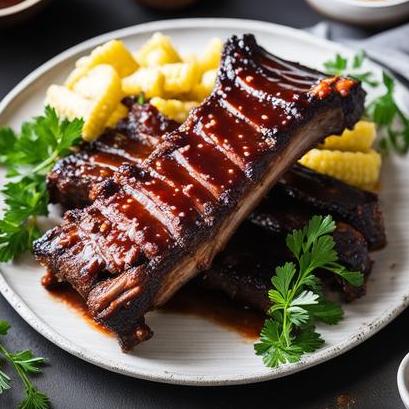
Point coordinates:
[[186, 349]]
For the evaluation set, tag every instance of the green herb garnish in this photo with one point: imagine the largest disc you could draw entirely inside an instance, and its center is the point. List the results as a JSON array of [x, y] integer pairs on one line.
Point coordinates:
[[297, 299], [383, 110], [342, 66], [25, 364], [28, 157]]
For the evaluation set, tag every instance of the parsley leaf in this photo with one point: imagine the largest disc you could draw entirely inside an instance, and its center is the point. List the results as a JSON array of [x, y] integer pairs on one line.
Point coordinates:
[[342, 66], [4, 327], [296, 296], [25, 364], [29, 156], [7, 142], [383, 110]]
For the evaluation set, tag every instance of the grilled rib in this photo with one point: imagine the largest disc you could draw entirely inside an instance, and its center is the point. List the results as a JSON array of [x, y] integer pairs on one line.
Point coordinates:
[[244, 269], [133, 139], [279, 213], [154, 226]]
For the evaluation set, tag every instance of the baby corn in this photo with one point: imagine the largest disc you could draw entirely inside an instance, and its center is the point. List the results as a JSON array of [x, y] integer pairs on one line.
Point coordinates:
[[355, 168]]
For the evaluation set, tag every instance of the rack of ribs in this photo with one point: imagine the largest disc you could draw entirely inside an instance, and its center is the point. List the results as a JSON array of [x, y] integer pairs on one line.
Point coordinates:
[[155, 225], [299, 194]]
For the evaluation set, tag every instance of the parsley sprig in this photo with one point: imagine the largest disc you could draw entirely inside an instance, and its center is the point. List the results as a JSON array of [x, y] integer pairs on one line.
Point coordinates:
[[28, 157], [383, 110], [25, 364], [297, 298], [341, 65]]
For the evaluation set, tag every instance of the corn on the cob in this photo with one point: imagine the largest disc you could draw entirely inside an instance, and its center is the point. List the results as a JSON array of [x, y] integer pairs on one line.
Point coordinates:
[[67, 103], [202, 89], [95, 97], [179, 77], [359, 139], [209, 79], [198, 93], [120, 112], [113, 53], [150, 81], [355, 168], [159, 50], [210, 59], [174, 108]]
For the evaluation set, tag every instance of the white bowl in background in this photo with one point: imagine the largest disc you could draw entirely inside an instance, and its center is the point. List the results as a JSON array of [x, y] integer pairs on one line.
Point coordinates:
[[364, 12], [403, 380], [19, 11]]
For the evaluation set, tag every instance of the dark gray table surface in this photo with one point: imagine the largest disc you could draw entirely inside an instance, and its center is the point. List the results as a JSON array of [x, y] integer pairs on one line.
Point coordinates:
[[366, 374]]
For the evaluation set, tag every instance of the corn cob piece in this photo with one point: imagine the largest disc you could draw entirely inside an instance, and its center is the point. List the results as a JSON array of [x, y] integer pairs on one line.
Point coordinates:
[[120, 112], [359, 139], [150, 81], [209, 78], [159, 50], [203, 89], [94, 98], [355, 168], [174, 108], [211, 56], [179, 77], [67, 103], [198, 93], [113, 53]]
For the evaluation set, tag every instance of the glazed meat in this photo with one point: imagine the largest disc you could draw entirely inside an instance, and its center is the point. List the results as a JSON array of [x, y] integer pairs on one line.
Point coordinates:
[[133, 139], [244, 269], [154, 226], [326, 195], [315, 193]]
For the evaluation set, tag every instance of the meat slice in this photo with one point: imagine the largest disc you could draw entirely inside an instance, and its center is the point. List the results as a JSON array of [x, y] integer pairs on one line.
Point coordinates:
[[326, 195], [309, 192], [133, 139], [244, 269], [176, 210]]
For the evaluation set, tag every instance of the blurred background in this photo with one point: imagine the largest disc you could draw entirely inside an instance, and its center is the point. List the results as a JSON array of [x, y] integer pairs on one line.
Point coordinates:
[[53, 25]]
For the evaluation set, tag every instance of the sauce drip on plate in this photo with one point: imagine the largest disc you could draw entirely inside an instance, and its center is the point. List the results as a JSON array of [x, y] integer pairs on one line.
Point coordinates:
[[190, 300]]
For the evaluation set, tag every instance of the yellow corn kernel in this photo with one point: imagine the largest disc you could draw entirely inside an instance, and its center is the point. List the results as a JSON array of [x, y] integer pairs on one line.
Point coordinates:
[[113, 53], [211, 56], [159, 50], [120, 112], [150, 81], [94, 98], [179, 77], [209, 79], [174, 108], [203, 89], [355, 168], [198, 93], [67, 103], [359, 139]]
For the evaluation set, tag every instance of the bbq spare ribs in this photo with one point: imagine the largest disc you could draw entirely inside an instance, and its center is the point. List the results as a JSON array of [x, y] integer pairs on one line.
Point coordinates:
[[154, 225], [297, 196]]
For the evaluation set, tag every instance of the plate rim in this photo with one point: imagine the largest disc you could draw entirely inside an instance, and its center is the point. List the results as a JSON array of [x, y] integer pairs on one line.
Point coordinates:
[[162, 375]]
